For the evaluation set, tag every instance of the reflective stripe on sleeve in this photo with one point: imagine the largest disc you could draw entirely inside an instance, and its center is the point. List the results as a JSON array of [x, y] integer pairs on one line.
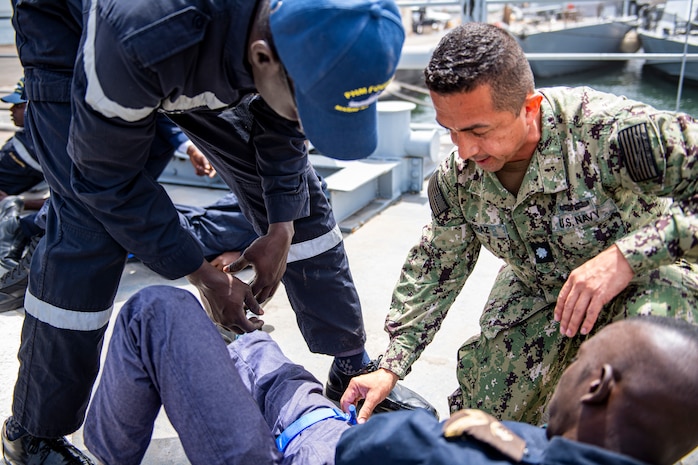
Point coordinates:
[[314, 247], [95, 95], [99, 102]]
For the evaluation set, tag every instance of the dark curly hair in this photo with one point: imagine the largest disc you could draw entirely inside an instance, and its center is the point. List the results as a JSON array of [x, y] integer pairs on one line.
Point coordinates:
[[473, 54]]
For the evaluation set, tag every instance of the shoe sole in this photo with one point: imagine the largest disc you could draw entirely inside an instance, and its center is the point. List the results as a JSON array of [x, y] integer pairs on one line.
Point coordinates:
[[12, 304]]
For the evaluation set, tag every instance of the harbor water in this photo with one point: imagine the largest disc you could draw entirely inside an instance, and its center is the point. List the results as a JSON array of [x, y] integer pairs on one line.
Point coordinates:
[[630, 79], [636, 82]]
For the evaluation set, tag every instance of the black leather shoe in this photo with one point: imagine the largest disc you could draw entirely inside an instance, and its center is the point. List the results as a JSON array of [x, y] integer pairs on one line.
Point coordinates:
[[17, 247], [13, 284], [10, 232], [11, 206], [400, 398], [29, 450]]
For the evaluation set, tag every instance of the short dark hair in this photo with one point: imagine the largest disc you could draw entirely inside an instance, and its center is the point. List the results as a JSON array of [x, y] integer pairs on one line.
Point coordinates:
[[677, 325], [474, 54], [264, 24]]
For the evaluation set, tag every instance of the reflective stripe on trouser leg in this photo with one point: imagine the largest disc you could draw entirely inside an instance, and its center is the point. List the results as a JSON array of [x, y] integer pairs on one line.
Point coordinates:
[[57, 370], [73, 280], [318, 281], [74, 276], [322, 293]]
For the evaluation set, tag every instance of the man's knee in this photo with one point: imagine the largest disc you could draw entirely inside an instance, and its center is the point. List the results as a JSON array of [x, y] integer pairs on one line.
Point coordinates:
[[156, 303], [667, 291], [511, 374]]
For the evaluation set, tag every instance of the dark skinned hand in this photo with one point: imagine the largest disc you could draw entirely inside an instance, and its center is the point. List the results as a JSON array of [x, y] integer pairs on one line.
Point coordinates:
[[267, 254], [225, 298]]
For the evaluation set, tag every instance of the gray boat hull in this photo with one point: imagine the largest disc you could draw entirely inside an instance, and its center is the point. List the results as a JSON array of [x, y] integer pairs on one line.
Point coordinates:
[[600, 37], [658, 43]]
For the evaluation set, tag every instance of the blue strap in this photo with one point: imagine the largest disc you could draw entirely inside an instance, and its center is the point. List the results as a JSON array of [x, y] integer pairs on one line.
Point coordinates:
[[309, 419]]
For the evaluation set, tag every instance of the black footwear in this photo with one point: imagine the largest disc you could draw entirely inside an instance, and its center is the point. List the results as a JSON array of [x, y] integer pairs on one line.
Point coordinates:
[[10, 233], [13, 249], [6, 265], [11, 206], [13, 284], [400, 398], [17, 247], [29, 450]]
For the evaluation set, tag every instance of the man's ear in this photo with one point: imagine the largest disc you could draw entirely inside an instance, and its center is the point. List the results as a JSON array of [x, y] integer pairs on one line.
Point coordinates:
[[261, 57], [532, 104], [601, 387]]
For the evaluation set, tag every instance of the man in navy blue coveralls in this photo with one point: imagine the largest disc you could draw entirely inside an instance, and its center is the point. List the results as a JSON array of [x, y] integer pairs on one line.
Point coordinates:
[[119, 62], [218, 227], [19, 167]]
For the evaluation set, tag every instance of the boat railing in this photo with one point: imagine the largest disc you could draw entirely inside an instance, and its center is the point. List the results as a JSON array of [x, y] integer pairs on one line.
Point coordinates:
[[477, 10]]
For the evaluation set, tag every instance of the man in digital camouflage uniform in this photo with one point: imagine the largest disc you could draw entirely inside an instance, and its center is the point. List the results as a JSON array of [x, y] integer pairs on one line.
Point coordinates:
[[568, 186]]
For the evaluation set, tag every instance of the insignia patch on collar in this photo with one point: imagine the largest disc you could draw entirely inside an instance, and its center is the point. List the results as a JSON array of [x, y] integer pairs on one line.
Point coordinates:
[[437, 201], [485, 429], [636, 152], [542, 252]]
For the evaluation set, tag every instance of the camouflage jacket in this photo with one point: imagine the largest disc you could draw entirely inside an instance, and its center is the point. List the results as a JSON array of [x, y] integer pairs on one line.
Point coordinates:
[[601, 174]]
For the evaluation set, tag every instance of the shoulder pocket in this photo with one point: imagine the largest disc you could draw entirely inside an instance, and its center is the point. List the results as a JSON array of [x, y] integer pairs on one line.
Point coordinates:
[[167, 36]]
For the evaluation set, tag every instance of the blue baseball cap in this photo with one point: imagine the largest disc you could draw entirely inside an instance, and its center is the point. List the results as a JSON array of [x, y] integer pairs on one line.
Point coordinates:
[[340, 54], [17, 96]]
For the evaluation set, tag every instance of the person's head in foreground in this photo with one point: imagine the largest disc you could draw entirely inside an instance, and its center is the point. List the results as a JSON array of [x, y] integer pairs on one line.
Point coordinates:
[[482, 88], [632, 390]]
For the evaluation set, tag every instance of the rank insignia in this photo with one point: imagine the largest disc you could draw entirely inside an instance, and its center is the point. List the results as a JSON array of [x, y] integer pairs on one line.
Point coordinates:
[[485, 429], [542, 252]]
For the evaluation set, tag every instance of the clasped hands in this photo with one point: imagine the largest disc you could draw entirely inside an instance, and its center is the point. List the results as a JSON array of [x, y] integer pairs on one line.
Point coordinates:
[[227, 299]]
